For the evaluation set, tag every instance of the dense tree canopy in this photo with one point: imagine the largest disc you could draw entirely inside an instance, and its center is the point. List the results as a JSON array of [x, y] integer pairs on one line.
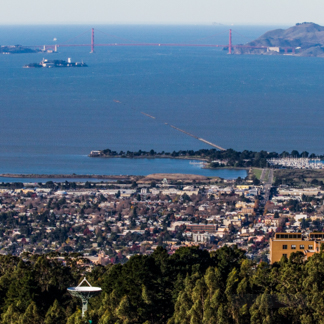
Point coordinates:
[[234, 158], [188, 287]]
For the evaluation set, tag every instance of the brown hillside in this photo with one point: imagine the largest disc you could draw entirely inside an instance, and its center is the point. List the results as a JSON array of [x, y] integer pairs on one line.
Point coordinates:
[[306, 38]]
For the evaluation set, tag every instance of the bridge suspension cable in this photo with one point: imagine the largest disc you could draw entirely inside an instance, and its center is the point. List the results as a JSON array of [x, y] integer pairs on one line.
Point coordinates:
[[118, 37], [236, 32], [198, 39], [86, 32]]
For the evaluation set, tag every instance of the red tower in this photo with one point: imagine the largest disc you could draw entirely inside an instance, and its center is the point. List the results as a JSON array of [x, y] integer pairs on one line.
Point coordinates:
[[92, 40], [230, 42]]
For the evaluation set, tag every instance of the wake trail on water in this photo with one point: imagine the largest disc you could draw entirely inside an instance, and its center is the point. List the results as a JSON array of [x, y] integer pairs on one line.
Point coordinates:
[[178, 129]]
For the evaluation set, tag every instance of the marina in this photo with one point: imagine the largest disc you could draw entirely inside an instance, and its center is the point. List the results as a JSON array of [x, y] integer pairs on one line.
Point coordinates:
[[296, 163]]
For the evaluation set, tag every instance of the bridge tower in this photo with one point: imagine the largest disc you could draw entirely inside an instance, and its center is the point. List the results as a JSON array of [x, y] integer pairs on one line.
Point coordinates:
[[230, 42], [92, 40]]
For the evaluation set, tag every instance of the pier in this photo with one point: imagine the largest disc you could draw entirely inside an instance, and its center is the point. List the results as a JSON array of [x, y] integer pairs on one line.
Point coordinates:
[[199, 138]]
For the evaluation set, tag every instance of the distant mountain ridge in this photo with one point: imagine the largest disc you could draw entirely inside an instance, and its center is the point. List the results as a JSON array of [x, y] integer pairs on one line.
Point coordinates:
[[307, 39]]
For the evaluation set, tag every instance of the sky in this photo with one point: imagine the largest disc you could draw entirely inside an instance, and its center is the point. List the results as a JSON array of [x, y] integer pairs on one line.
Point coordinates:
[[239, 12]]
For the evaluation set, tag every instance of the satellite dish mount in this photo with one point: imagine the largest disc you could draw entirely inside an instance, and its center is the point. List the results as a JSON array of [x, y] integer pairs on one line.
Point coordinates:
[[84, 293]]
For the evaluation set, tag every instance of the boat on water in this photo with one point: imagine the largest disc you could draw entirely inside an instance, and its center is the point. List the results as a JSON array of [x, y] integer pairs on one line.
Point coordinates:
[[55, 63]]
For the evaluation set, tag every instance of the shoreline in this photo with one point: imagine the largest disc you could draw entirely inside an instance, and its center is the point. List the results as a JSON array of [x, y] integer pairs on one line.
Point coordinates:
[[113, 177], [67, 176], [150, 157], [228, 168]]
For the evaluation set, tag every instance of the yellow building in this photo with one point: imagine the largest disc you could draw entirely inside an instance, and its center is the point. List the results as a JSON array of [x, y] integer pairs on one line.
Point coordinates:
[[25, 191], [283, 244], [246, 187]]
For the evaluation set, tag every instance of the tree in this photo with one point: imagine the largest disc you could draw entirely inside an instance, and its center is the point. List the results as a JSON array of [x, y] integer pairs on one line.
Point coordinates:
[[55, 314], [303, 223], [256, 181], [11, 316], [185, 197], [75, 318], [261, 310], [239, 180], [31, 316], [123, 310], [295, 154], [200, 300], [190, 286]]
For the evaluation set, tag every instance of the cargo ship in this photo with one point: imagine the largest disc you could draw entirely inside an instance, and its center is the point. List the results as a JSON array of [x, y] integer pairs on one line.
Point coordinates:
[[55, 63]]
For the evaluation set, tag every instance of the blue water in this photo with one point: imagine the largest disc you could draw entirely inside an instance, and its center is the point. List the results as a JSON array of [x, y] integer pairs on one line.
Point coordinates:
[[84, 165], [52, 118]]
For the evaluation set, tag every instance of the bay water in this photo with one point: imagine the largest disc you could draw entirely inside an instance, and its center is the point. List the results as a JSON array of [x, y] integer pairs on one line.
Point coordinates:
[[52, 118]]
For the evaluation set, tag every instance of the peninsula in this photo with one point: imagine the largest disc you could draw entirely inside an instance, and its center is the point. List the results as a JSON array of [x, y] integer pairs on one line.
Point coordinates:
[[303, 39], [213, 158], [17, 49]]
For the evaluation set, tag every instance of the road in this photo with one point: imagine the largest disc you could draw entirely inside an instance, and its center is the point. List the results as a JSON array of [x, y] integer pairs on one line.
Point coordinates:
[[263, 174], [267, 177]]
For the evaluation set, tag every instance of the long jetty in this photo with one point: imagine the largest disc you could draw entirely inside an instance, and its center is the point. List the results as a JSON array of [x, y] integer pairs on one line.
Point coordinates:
[[180, 130], [198, 138]]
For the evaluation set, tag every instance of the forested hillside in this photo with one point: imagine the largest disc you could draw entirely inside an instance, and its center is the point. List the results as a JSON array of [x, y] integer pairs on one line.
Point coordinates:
[[191, 286]]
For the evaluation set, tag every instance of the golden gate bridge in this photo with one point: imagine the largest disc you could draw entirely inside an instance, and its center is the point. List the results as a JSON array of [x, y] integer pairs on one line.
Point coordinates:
[[230, 46]]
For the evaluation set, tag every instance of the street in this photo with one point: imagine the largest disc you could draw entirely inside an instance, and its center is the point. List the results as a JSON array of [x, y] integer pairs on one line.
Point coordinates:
[[267, 178]]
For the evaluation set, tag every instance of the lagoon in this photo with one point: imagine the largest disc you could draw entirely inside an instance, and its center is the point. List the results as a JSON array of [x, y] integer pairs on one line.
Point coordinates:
[[81, 164]]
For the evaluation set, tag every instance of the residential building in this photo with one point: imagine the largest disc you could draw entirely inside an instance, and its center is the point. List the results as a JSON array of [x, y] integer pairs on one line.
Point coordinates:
[[283, 244]]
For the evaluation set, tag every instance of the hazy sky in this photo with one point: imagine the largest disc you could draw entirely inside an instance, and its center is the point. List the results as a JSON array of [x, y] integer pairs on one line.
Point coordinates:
[[266, 12]]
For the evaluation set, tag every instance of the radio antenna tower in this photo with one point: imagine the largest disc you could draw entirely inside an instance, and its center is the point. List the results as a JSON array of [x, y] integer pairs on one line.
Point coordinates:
[[84, 293]]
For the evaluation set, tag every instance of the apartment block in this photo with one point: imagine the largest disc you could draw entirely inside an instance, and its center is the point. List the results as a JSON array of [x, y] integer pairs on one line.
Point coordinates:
[[283, 244]]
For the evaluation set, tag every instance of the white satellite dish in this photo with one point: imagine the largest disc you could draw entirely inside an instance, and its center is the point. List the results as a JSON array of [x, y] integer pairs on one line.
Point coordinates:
[[84, 293]]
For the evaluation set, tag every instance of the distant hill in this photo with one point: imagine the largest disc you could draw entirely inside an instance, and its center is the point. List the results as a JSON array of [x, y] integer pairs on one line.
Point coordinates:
[[306, 38], [17, 49]]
